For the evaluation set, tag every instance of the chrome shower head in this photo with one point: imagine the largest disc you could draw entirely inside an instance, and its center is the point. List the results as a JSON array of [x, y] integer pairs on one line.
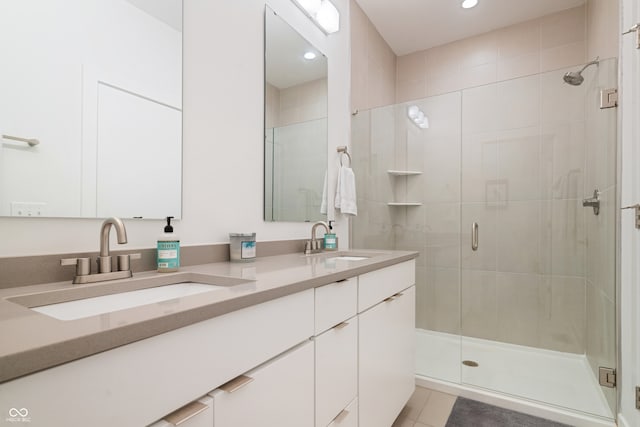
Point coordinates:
[[575, 78]]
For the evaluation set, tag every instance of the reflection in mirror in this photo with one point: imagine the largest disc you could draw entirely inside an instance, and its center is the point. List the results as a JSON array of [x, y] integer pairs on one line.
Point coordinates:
[[295, 124], [99, 84]]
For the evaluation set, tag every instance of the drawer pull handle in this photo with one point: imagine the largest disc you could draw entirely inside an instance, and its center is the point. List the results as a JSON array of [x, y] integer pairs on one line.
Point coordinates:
[[341, 280], [392, 297], [341, 416], [185, 413], [341, 325], [236, 384]]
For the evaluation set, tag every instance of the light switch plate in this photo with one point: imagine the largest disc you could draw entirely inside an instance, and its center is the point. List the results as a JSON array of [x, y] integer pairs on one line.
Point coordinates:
[[28, 209]]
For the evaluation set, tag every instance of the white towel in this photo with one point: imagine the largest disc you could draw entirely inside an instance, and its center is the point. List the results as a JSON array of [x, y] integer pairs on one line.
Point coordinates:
[[346, 192], [323, 205]]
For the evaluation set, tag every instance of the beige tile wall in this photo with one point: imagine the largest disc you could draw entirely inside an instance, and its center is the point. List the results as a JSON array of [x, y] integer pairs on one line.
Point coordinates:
[[525, 154], [603, 35], [304, 102], [272, 106], [296, 104], [373, 64], [548, 43]]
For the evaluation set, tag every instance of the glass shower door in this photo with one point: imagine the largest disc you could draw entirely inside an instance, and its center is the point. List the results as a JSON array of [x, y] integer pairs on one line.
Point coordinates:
[[538, 290]]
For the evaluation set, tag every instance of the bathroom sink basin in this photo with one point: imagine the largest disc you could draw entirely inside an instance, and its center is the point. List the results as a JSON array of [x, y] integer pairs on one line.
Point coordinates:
[[107, 303], [347, 258], [85, 301]]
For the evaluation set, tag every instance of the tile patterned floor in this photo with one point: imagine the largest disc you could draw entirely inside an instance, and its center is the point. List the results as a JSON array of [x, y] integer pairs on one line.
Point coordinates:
[[426, 408], [430, 408]]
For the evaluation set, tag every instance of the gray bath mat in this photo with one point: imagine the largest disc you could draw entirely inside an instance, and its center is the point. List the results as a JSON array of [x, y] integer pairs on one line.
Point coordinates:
[[471, 413]]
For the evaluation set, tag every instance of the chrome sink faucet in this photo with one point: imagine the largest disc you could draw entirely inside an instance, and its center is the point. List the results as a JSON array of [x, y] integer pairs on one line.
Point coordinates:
[[83, 265], [104, 260], [314, 246]]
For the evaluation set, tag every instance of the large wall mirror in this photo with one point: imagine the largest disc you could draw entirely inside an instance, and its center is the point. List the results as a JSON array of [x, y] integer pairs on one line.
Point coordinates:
[[295, 124], [98, 85]]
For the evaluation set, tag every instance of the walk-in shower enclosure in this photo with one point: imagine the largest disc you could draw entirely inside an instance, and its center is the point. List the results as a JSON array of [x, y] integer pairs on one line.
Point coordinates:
[[533, 306]]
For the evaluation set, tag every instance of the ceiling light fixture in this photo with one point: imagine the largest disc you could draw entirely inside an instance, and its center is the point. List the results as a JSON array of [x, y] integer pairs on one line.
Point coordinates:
[[309, 55], [322, 12], [468, 4]]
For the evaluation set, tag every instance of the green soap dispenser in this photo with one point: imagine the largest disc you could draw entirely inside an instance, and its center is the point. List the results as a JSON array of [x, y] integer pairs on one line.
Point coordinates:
[[330, 239], [168, 254]]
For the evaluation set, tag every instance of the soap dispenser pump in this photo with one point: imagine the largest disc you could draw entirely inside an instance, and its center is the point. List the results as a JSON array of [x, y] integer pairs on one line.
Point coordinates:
[[330, 239], [168, 253]]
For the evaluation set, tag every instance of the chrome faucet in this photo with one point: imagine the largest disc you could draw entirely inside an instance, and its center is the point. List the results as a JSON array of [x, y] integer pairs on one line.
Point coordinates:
[[104, 260], [83, 265], [314, 246]]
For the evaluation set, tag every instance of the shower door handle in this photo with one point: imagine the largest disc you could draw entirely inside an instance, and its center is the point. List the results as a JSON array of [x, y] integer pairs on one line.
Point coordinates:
[[474, 236]]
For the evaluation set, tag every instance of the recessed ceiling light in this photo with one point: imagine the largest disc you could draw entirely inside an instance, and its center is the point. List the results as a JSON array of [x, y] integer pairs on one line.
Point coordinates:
[[309, 55], [468, 4]]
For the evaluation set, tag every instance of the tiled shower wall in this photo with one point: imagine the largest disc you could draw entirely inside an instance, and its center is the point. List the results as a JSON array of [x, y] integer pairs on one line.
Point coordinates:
[[373, 64], [291, 115], [379, 78], [530, 287], [295, 104], [548, 43]]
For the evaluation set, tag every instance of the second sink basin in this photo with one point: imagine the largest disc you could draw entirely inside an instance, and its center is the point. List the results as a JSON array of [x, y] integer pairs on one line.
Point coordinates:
[[81, 308], [347, 258]]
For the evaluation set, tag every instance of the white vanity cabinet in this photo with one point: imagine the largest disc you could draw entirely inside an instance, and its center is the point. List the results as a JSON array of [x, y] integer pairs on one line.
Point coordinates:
[[336, 351], [277, 393], [142, 382], [339, 355], [335, 303], [386, 361]]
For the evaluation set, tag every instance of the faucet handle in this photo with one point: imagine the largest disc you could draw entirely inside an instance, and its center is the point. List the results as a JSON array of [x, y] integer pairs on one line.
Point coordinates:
[[124, 261], [83, 265]]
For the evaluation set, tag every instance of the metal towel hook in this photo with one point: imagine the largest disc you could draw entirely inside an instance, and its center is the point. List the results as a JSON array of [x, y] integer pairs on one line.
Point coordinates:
[[343, 150]]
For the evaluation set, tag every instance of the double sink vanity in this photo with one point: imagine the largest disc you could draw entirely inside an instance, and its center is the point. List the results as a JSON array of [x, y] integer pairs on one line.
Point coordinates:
[[288, 340]]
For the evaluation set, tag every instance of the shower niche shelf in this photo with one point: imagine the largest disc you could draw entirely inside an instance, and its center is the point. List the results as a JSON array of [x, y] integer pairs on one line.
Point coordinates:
[[393, 172]]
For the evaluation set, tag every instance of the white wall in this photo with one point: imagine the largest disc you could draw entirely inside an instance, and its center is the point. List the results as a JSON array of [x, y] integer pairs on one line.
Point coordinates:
[[223, 134], [50, 92], [32, 107]]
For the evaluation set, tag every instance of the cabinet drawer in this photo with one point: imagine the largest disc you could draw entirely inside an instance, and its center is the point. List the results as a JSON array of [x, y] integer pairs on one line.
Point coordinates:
[[195, 414], [377, 285], [166, 371], [277, 393], [348, 417], [335, 303], [336, 370]]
